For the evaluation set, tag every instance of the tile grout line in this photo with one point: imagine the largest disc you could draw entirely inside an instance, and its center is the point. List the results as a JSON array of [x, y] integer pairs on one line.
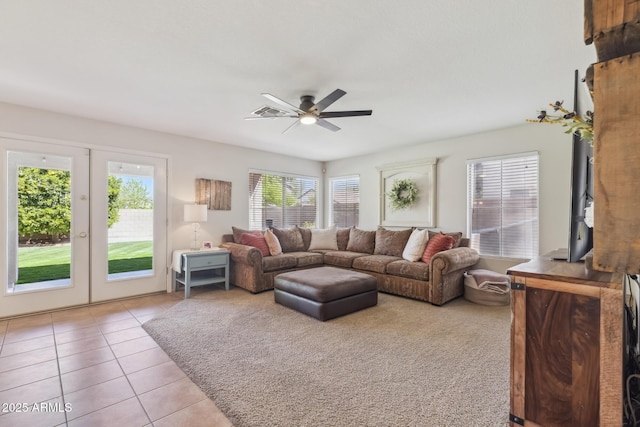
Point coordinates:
[[64, 403], [126, 376], [55, 347]]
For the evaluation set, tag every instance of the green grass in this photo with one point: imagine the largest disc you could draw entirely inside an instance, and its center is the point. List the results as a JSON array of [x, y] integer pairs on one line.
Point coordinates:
[[37, 264]]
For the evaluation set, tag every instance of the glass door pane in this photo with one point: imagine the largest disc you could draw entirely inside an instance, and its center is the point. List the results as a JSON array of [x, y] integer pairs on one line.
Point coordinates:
[[130, 220], [39, 205], [45, 211]]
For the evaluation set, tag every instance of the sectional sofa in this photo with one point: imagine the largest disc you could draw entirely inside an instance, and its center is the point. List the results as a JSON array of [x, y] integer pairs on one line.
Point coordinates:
[[375, 252]]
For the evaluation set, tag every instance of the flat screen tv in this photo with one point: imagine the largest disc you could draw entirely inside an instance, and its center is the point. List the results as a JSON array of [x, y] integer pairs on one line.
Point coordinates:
[[580, 235]]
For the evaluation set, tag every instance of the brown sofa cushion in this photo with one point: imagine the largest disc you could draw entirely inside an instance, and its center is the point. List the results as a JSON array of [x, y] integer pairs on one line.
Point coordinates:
[[361, 241], [391, 242], [306, 259], [376, 263], [290, 239], [278, 262], [341, 258], [411, 270], [306, 237], [342, 236]]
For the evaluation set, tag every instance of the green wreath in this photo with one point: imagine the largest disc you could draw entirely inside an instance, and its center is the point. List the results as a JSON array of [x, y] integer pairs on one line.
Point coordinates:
[[403, 193]]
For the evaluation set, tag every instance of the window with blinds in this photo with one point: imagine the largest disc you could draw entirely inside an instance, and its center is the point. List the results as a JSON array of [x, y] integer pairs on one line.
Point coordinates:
[[502, 205], [345, 201], [281, 200]]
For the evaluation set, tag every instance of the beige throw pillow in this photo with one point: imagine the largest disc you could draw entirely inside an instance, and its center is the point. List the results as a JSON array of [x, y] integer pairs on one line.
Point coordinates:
[[415, 245], [324, 238], [272, 243]]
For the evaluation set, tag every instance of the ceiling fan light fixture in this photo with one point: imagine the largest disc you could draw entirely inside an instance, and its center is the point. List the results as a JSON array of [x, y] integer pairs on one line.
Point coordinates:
[[308, 119]]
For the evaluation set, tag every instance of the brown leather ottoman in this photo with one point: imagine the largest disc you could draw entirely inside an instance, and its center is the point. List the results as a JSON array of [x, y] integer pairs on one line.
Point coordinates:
[[325, 292]]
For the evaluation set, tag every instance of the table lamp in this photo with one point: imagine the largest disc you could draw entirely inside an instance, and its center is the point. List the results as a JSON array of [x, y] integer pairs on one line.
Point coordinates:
[[195, 214]]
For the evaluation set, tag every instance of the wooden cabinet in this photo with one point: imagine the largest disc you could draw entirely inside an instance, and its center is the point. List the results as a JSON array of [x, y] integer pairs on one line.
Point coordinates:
[[566, 345]]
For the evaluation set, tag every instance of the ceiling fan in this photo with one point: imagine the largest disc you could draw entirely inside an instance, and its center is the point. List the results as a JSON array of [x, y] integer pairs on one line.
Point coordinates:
[[308, 113]]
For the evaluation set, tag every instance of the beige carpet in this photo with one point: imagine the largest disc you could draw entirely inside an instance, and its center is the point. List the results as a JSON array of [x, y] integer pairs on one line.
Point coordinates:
[[401, 363]]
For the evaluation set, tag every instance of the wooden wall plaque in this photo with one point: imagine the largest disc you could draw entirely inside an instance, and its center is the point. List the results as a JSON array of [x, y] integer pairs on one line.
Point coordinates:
[[617, 165], [213, 193], [613, 26]]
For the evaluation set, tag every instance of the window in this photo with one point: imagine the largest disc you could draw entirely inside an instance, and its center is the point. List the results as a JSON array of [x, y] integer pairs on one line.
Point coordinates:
[[502, 205], [345, 201], [281, 200]]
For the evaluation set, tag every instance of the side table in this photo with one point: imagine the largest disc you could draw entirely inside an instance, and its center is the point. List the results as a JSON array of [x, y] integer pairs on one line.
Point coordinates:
[[196, 268]]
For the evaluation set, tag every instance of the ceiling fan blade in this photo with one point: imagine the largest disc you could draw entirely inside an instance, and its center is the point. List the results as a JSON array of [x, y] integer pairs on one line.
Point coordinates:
[[325, 124], [330, 114], [269, 117], [328, 100], [283, 103], [293, 126]]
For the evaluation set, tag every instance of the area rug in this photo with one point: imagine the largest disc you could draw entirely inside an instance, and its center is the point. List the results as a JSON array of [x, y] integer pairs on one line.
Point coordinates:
[[400, 363]]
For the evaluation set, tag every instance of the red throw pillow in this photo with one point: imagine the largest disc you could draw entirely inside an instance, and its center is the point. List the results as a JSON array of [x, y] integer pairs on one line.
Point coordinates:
[[257, 241], [438, 243]]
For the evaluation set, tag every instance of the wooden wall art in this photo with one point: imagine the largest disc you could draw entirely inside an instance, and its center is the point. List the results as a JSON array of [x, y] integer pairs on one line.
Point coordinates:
[[213, 193]]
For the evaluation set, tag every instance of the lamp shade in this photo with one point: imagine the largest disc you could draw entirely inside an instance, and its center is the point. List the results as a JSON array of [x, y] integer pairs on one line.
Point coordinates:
[[195, 213]]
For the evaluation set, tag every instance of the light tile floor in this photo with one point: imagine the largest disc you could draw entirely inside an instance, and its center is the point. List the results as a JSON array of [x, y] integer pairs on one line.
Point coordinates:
[[96, 366]]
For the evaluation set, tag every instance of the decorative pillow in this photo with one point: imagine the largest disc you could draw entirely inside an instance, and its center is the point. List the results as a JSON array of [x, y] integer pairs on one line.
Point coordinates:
[[256, 242], [238, 232], [438, 243], [343, 238], [391, 242], [290, 239], [416, 245], [361, 241], [306, 237], [272, 243], [324, 238], [457, 236]]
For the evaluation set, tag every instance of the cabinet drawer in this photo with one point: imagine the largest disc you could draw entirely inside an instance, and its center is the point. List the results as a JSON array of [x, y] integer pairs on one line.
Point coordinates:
[[206, 260]]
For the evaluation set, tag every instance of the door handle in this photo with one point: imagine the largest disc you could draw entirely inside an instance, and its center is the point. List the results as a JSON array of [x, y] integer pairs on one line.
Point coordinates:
[[83, 234]]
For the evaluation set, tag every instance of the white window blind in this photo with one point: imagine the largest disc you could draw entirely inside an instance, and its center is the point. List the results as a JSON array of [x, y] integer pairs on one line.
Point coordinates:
[[345, 201], [281, 200], [502, 205]]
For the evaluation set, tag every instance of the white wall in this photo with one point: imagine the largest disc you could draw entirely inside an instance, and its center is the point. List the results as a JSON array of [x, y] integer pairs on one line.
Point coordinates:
[[192, 158], [188, 159], [550, 141]]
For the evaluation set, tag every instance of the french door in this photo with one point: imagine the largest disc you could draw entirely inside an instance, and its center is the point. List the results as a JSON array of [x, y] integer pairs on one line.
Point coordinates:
[[128, 253], [80, 226]]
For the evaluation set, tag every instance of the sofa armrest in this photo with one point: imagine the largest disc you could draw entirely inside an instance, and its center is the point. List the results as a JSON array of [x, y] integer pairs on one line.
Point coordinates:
[[446, 273], [246, 267], [244, 254]]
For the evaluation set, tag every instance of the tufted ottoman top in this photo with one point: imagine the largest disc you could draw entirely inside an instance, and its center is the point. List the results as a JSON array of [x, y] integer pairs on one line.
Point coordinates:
[[324, 284]]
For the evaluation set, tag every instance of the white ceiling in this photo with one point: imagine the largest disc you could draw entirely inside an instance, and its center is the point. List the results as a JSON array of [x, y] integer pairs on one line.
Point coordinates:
[[429, 69]]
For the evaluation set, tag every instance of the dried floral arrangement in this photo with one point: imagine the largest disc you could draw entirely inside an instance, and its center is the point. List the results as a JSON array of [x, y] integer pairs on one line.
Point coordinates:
[[582, 126]]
